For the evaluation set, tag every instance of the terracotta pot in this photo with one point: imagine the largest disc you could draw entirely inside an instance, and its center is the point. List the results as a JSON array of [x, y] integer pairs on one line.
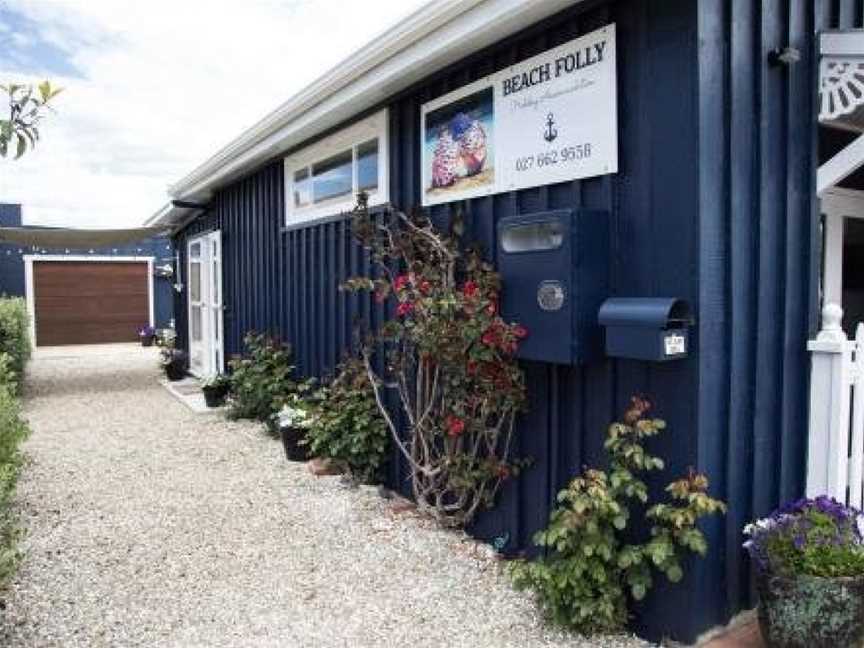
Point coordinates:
[[811, 611]]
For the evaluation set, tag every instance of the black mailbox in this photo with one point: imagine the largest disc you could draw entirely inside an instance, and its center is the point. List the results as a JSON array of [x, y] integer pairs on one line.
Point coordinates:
[[654, 329], [554, 267]]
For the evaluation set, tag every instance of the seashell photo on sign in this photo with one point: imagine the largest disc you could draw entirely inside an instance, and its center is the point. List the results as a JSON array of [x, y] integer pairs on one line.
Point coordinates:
[[458, 138]]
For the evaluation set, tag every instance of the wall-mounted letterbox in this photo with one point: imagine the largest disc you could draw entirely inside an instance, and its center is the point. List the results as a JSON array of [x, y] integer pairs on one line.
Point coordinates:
[[554, 267], [655, 329]]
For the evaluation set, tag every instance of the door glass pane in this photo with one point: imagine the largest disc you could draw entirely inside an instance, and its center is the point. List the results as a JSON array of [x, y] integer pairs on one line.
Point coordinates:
[[332, 177], [215, 282], [302, 188], [196, 323], [195, 250], [367, 166], [195, 282]]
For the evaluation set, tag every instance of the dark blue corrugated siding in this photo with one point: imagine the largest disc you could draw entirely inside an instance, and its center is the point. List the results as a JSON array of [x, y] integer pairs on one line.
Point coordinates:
[[713, 203], [11, 263], [759, 247]]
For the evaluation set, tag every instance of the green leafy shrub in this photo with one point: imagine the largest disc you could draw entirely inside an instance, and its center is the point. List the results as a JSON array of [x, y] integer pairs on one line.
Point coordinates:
[[584, 581], [347, 426], [13, 430], [261, 380], [14, 337]]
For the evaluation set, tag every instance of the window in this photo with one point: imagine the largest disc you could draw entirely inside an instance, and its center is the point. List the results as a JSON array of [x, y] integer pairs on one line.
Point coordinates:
[[324, 179]]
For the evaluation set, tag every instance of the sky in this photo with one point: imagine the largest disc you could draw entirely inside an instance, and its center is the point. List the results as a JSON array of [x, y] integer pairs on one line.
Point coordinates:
[[153, 88]]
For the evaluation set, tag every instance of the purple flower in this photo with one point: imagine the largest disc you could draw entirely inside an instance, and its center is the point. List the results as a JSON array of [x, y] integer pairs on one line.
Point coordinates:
[[779, 542]]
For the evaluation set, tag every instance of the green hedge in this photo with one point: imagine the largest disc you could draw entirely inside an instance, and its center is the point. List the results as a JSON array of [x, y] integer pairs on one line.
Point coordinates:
[[13, 430], [14, 337]]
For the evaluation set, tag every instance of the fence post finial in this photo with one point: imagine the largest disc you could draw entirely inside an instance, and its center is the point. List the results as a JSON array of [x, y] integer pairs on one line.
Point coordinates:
[[832, 318]]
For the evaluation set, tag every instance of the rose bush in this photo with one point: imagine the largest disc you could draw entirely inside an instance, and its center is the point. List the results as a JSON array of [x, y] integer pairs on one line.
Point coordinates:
[[450, 358]]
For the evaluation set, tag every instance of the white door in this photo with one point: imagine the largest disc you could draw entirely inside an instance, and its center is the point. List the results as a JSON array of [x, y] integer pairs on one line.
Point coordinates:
[[206, 349]]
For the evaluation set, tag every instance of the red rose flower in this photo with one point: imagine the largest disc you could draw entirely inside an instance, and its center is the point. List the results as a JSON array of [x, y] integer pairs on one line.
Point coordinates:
[[492, 307], [400, 282], [470, 289], [489, 337], [455, 425], [425, 287], [520, 332], [404, 309], [472, 367]]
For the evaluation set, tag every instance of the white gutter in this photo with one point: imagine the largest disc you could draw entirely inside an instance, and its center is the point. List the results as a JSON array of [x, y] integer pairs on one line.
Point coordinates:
[[438, 34]]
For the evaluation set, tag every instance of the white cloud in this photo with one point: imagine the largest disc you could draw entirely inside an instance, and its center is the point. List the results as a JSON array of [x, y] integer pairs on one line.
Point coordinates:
[[162, 86]]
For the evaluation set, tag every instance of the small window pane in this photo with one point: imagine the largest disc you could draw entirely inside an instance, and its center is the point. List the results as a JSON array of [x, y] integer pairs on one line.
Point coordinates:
[[196, 323], [367, 166], [195, 250], [302, 188], [214, 289], [332, 178], [195, 282], [533, 238]]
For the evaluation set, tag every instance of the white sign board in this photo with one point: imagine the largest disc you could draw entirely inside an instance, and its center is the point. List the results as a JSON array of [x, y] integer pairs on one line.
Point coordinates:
[[550, 118]]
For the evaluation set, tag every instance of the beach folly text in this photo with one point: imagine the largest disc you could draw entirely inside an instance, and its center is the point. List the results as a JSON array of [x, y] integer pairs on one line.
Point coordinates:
[[544, 72]]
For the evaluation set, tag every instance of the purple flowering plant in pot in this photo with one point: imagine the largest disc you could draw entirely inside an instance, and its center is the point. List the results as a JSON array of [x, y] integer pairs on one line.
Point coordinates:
[[809, 558], [146, 334]]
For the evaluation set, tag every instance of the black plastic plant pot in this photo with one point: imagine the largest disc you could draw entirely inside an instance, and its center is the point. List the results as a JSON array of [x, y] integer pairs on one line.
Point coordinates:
[[214, 396], [146, 340], [175, 372], [811, 611], [291, 438]]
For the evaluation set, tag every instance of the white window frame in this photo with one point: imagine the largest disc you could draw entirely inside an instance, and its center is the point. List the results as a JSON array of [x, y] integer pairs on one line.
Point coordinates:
[[372, 127]]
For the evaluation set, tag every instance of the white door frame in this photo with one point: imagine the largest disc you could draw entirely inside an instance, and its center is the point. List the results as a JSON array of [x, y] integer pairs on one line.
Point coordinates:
[[211, 304], [29, 289]]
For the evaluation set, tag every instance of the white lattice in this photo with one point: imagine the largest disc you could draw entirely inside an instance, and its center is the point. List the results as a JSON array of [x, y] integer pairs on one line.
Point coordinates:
[[841, 87]]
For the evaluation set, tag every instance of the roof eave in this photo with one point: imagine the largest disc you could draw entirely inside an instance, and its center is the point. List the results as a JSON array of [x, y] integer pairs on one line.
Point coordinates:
[[438, 34]]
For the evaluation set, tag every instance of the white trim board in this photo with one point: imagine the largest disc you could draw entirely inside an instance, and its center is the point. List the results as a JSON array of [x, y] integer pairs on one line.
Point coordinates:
[[841, 166], [30, 294]]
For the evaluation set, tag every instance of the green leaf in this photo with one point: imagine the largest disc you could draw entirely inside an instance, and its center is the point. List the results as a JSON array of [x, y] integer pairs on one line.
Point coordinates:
[[21, 148], [674, 574]]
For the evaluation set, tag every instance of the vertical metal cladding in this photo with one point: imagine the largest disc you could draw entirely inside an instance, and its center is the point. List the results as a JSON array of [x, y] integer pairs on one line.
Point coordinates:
[[713, 203]]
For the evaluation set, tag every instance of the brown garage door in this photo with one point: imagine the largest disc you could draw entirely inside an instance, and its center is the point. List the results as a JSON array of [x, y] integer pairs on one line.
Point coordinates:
[[89, 302]]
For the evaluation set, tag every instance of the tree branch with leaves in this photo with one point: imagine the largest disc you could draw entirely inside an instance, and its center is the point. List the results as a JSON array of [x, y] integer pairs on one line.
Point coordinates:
[[27, 107]]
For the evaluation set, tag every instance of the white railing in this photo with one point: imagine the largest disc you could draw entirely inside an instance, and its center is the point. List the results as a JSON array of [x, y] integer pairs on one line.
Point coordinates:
[[835, 464]]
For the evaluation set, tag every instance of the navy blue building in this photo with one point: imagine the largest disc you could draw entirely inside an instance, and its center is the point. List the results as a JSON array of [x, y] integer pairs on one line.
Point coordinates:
[[158, 250], [713, 202]]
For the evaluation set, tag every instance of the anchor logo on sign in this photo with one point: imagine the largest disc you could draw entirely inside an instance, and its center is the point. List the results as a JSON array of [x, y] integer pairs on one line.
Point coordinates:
[[551, 133]]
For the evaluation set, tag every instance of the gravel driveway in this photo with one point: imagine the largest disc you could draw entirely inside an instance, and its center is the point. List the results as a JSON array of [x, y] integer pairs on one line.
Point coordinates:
[[148, 525]]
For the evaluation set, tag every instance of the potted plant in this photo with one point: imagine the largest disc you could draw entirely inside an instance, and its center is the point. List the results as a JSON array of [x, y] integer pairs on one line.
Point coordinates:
[[293, 420], [166, 337], [215, 389], [173, 362], [146, 334], [809, 558]]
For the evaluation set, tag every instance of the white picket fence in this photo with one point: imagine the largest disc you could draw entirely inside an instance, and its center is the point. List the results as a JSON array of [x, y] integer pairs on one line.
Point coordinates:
[[835, 464]]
